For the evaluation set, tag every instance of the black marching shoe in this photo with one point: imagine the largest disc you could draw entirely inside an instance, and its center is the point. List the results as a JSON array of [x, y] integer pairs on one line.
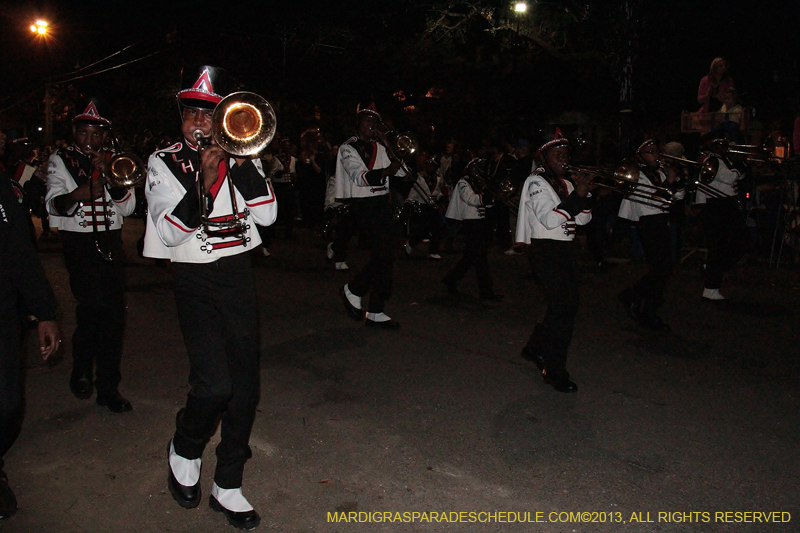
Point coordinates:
[[81, 386], [115, 402], [386, 324], [529, 355], [239, 520], [559, 380], [451, 286], [654, 323], [354, 312], [8, 502], [632, 307], [187, 497]]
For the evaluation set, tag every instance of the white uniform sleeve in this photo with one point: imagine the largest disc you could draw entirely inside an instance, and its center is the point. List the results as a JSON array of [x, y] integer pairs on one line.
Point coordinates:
[[59, 183], [544, 207], [163, 193]]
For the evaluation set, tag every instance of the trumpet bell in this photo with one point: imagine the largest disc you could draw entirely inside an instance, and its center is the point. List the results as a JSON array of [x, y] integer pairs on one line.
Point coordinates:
[[126, 170], [243, 124]]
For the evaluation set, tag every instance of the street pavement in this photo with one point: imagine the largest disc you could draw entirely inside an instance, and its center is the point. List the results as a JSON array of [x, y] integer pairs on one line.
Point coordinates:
[[668, 432]]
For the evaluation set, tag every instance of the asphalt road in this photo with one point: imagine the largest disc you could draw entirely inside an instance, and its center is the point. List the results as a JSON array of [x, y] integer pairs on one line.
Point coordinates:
[[668, 432]]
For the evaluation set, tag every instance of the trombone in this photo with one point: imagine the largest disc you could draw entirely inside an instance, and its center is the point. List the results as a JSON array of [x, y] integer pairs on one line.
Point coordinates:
[[753, 153], [242, 124], [707, 172], [625, 180], [401, 145]]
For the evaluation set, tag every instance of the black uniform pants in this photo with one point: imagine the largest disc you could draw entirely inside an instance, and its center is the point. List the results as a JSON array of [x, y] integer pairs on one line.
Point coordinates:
[[654, 233], [478, 237], [218, 313], [11, 377], [373, 218], [553, 262], [427, 224], [342, 227], [99, 288], [726, 236]]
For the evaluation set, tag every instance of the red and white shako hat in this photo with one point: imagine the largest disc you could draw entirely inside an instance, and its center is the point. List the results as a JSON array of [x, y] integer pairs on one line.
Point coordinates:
[[204, 86], [368, 106], [645, 144], [551, 137], [93, 111]]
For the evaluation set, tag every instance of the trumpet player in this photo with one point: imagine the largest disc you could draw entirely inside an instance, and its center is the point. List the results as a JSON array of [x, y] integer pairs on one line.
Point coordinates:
[[363, 170], [214, 292], [89, 213], [550, 209], [652, 219], [723, 221]]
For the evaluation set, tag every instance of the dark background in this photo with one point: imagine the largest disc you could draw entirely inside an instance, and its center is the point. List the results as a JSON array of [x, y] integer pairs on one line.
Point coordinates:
[[333, 54]]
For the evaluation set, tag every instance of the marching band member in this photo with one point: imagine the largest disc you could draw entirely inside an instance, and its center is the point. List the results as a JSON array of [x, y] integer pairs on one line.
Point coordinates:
[[89, 213], [363, 168], [427, 223], [723, 221], [652, 219], [337, 226], [468, 204], [214, 292], [21, 274], [550, 208]]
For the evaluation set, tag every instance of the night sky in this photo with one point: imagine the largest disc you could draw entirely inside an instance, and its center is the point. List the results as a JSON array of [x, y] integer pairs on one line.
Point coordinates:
[[335, 54]]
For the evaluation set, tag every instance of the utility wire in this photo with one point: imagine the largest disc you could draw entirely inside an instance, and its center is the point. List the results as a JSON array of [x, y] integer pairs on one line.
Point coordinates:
[[110, 68]]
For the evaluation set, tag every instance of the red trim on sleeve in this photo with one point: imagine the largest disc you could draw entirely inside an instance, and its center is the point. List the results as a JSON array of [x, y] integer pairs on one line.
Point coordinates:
[[178, 225], [268, 201], [563, 214]]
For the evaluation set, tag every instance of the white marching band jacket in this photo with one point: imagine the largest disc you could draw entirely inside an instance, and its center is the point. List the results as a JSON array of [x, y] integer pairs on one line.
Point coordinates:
[[724, 181], [465, 203], [174, 230], [539, 216], [632, 210], [351, 171], [67, 169]]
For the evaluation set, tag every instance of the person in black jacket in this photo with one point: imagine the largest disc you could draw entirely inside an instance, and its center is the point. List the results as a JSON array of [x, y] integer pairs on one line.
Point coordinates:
[[24, 290]]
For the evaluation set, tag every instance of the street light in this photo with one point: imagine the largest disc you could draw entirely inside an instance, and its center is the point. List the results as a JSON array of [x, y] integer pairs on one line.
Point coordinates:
[[40, 27], [520, 7]]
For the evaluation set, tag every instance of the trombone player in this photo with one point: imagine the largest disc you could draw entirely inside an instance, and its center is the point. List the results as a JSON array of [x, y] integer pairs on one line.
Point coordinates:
[[550, 209], [723, 221], [192, 193], [363, 170], [88, 212], [652, 219]]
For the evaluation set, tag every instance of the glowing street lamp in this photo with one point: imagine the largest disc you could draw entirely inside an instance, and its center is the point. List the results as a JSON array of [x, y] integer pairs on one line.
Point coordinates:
[[520, 7], [40, 27]]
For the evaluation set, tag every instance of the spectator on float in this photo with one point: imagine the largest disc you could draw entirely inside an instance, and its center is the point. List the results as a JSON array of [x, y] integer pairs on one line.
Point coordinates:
[[714, 86]]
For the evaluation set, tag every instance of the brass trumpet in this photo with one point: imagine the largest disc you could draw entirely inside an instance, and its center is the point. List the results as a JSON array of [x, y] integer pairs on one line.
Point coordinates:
[[242, 124], [625, 180], [125, 169]]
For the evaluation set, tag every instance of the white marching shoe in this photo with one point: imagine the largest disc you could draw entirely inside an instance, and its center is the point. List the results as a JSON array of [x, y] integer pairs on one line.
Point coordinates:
[[713, 295], [341, 266]]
